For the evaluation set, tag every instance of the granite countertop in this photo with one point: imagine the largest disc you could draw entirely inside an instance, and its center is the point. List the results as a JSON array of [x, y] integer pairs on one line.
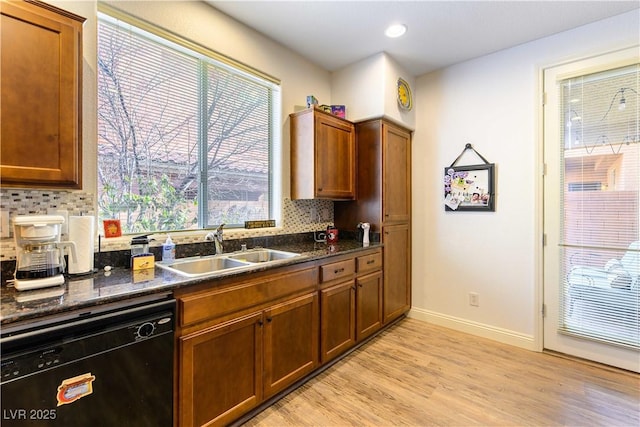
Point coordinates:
[[121, 284]]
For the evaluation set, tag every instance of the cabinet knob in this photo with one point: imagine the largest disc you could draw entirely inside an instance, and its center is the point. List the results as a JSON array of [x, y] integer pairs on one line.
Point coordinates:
[[269, 319], [260, 322]]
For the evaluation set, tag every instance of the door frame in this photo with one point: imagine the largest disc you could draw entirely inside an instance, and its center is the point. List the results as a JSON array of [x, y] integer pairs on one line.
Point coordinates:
[[593, 63]]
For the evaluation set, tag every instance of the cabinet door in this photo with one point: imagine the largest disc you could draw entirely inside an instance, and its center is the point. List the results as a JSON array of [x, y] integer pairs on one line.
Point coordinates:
[[397, 270], [337, 317], [368, 304], [290, 342], [396, 197], [40, 64], [220, 372], [335, 158]]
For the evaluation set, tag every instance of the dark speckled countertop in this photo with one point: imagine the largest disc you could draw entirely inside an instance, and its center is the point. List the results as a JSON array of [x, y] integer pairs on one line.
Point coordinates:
[[122, 284]]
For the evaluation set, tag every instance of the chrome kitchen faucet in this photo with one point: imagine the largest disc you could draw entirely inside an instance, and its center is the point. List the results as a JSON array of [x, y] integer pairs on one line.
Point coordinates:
[[217, 239]]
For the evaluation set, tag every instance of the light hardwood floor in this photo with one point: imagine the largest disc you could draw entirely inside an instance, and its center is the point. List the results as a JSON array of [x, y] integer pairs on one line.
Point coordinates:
[[419, 374]]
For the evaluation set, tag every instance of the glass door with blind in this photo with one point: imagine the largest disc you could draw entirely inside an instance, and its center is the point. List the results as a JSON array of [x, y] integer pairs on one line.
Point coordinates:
[[592, 209]]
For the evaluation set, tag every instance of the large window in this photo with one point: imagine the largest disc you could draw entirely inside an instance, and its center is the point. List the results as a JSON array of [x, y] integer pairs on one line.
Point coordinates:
[[185, 140]]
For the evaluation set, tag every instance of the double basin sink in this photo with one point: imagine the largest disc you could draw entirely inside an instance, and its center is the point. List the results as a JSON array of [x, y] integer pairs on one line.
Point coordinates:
[[209, 265]]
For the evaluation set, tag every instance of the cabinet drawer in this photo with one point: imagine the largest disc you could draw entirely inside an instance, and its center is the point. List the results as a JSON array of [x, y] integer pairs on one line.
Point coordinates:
[[337, 270], [219, 302], [370, 262]]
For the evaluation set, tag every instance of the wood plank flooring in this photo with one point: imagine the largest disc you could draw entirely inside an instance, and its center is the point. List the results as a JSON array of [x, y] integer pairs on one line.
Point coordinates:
[[418, 374]]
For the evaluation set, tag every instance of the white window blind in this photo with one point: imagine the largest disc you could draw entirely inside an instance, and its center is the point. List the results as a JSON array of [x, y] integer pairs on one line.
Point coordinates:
[[600, 235], [184, 139]]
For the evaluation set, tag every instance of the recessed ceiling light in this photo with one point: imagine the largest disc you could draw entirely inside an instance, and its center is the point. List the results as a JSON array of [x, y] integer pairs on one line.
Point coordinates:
[[395, 30]]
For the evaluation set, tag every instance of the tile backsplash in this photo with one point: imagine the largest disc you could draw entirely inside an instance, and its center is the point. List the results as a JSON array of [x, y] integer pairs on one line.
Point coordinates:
[[39, 202], [299, 216]]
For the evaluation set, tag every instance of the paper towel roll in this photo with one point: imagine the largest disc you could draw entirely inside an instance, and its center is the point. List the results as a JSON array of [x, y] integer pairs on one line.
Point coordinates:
[[82, 233]]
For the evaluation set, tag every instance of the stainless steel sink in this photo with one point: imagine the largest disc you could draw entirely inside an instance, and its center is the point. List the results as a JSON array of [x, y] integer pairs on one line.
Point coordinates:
[[203, 266], [262, 255], [210, 265]]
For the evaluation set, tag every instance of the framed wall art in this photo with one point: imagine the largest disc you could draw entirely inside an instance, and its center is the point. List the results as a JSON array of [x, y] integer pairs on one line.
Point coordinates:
[[469, 188]]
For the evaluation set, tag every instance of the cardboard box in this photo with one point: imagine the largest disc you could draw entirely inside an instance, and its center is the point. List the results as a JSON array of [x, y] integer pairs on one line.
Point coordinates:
[[311, 100], [142, 261], [338, 110]]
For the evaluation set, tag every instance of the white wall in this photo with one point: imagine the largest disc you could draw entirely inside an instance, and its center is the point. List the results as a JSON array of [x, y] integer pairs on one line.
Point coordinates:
[[492, 102], [360, 87], [392, 110], [369, 89]]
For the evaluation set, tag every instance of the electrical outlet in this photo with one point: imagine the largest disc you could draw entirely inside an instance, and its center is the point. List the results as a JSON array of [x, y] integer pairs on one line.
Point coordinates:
[[313, 213], [4, 224], [326, 215], [474, 299]]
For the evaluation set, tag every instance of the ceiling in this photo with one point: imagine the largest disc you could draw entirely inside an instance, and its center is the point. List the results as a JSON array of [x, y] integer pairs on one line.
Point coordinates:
[[333, 34]]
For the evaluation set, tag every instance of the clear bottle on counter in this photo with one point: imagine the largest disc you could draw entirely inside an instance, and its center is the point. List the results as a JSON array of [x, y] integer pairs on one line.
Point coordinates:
[[168, 250]]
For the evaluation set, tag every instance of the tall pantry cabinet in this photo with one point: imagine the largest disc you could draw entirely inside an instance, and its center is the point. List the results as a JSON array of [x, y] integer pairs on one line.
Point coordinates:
[[384, 200]]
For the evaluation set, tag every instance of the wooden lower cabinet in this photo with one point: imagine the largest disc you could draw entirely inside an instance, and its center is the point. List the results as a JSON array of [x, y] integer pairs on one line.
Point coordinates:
[[220, 372], [228, 369], [290, 342], [397, 271], [338, 313], [242, 342], [351, 304], [368, 305]]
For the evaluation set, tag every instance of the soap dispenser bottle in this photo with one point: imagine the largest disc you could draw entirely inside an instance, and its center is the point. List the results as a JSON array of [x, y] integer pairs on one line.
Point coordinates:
[[168, 250]]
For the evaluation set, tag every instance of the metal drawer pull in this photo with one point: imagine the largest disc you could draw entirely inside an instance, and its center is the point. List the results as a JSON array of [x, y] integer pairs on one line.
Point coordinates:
[[371, 261], [340, 270]]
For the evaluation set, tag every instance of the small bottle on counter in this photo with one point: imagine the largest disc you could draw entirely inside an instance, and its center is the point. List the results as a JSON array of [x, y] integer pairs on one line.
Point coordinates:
[[168, 250], [365, 233]]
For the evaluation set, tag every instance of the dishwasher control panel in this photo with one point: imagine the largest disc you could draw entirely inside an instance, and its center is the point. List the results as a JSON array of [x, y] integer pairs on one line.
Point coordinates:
[[48, 348]]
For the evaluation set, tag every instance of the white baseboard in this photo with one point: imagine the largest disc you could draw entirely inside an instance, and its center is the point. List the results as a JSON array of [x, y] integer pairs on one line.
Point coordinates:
[[504, 336]]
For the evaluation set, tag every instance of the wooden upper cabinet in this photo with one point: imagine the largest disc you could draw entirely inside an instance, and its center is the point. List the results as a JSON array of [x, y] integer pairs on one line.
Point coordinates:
[[40, 95], [396, 200], [323, 156]]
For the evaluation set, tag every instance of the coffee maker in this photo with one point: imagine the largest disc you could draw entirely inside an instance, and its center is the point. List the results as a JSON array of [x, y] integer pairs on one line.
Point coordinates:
[[39, 252]]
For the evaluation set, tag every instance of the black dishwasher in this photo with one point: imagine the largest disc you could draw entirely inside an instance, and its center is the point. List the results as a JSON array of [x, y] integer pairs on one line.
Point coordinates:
[[113, 367]]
